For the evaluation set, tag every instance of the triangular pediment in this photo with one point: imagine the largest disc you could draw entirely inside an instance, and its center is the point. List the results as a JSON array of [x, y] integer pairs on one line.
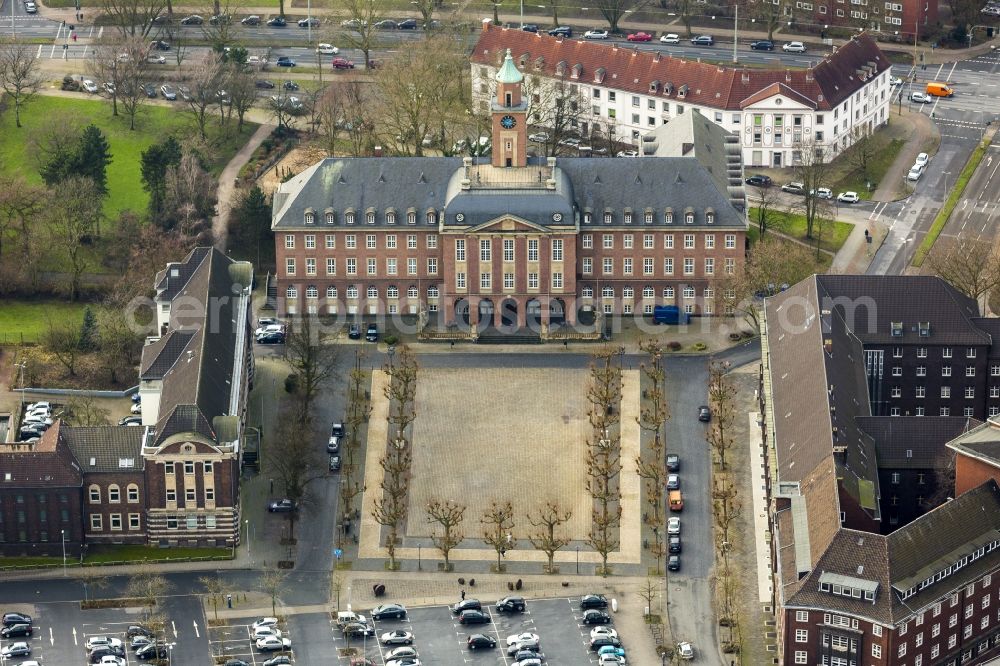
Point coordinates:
[[507, 223]]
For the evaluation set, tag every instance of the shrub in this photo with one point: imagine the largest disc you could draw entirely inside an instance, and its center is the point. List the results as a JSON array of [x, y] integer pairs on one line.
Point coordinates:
[[391, 339], [673, 345], [699, 346], [291, 383]]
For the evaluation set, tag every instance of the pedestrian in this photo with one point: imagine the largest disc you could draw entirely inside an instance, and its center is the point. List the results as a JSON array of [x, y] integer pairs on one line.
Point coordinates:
[[463, 595], [272, 486]]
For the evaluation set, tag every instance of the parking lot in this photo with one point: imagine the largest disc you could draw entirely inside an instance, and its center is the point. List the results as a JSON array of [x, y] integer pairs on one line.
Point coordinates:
[[233, 641], [440, 639]]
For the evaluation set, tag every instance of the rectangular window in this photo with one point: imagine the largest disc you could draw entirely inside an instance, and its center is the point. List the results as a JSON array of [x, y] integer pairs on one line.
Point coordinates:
[[331, 266], [557, 280], [627, 241], [709, 266], [588, 244], [189, 467], [532, 280], [289, 242], [459, 249], [134, 521], [709, 241], [352, 266], [485, 249], [432, 266], [310, 266], [668, 241], [485, 280], [688, 241], [801, 657], [532, 249], [557, 249], [209, 494], [116, 521], [508, 249], [688, 266], [647, 265], [609, 241], [608, 265], [647, 241], [588, 265], [390, 266], [801, 635], [390, 241], [801, 616], [372, 266], [970, 371], [310, 241], [460, 280], [289, 266], [411, 242], [730, 241], [945, 391], [921, 352], [668, 266], [370, 242], [96, 522], [508, 280], [876, 650], [411, 266], [627, 265], [351, 242], [432, 241]]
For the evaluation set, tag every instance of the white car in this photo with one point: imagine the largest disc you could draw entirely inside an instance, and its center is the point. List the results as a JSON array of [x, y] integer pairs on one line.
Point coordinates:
[[403, 652], [915, 173], [923, 98], [794, 47], [265, 622], [272, 643], [848, 197], [396, 637], [156, 59], [256, 61], [327, 49], [685, 650], [895, 81], [538, 137], [265, 630], [47, 406], [823, 193], [611, 660], [89, 86], [673, 525], [922, 160], [670, 38], [136, 408], [404, 662], [525, 637], [598, 632], [111, 660], [30, 7], [19, 649], [596, 33], [110, 641]]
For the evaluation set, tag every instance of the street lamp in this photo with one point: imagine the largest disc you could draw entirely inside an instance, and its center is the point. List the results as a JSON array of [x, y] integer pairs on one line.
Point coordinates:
[[20, 366], [63, 533], [247, 523]]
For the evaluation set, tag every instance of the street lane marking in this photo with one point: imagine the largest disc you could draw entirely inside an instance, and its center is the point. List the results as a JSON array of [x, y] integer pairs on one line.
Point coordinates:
[[74, 637], [174, 627], [52, 639], [196, 632]]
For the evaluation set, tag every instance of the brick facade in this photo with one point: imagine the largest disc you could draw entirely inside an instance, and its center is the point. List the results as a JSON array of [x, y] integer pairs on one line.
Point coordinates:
[[114, 507], [33, 520]]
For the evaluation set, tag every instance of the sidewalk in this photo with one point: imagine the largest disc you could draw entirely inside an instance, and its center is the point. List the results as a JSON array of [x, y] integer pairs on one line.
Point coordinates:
[[923, 136], [227, 183]]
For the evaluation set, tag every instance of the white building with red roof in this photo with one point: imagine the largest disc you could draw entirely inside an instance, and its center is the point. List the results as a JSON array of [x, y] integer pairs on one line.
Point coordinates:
[[776, 112]]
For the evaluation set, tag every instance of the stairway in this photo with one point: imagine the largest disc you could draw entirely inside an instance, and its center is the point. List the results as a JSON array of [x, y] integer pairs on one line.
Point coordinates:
[[522, 336]]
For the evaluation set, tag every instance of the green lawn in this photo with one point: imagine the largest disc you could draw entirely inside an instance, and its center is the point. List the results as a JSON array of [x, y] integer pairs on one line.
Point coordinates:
[[124, 183], [885, 155], [792, 224], [27, 319], [821, 265], [104, 554]]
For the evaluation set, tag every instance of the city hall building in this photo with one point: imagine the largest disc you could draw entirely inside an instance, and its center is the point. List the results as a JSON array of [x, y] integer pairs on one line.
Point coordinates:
[[511, 239]]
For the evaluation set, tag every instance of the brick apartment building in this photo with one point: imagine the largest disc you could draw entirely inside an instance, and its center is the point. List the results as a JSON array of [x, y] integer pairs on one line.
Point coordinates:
[[511, 239], [625, 92], [902, 17], [873, 561], [175, 480]]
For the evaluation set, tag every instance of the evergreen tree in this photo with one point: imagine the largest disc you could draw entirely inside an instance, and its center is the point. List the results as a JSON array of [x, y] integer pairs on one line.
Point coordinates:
[[88, 330], [93, 157], [154, 164], [250, 228]]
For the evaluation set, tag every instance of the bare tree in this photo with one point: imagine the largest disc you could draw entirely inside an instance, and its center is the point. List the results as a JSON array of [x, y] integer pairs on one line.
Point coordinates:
[[118, 345], [548, 519], [765, 201], [496, 11], [19, 203], [272, 582], [603, 456], [133, 18], [426, 9], [651, 466], [449, 516], [19, 74], [768, 15], [207, 79], [297, 464], [84, 410], [214, 588], [721, 394], [148, 587], [559, 105], [363, 34], [812, 169], [498, 528], [313, 359], [346, 109], [970, 265], [94, 579], [685, 10], [125, 65], [357, 413], [189, 199], [73, 218], [863, 150], [614, 11], [649, 591]]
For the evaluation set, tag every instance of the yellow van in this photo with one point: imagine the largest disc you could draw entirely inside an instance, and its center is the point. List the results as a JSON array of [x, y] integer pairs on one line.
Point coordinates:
[[939, 89], [676, 500]]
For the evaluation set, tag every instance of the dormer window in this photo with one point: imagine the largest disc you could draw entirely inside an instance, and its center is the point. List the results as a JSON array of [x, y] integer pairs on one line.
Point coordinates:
[[896, 329], [577, 71], [411, 216], [709, 216], [431, 217], [924, 328], [608, 217], [330, 216], [310, 216], [390, 217], [689, 217], [561, 68], [654, 87], [628, 216], [682, 91], [599, 75], [587, 217], [648, 217], [370, 216], [349, 216], [668, 217]]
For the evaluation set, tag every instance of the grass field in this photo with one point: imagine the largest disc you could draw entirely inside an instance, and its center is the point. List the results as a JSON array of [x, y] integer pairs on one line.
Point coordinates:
[[27, 320], [102, 554], [885, 155], [820, 265], [792, 224]]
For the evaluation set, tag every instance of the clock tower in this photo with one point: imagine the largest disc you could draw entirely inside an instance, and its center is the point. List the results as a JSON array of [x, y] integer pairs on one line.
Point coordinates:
[[510, 115]]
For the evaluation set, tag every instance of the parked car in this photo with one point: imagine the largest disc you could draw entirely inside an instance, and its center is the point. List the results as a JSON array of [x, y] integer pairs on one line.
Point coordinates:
[[848, 197], [342, 63], [561, 31], [256, 61], [264, 84], [19, 649], [599, 642], [603, 631], [358, 629], [538, 137], [611, 650], [159, 45], [155, 59], [822, 193], [334, 463], [253, 19], [138, 630], [406, 661], [354, 332], [481, 641], [670, 38], [385, 611], [596, 33], [762, 45], [674, 563], [109, 88], [674, 544], [593, 601], [16, 631], [281, 506], [673, 525], [596, 616], [271, 338], [639, 37], [220, 19], [529, 27], [511, 605], [280, 660], [273, 644], [396, 637], [685, 650], [474, 617], [466, 604], [704, 414], [923, 98], [284, 61], [277, 22], [673, 481], [386, 24], [149, 89], [194, 19], [793, 47], [922, 160], [521, 638], [371, 334], [310, 22], [895, 81], [408, 24], [327, 49], [402, 652], [89, 86], [759, 180], [794, 188], [97, 641], [703, 40], [266, 630], [30, 8], [673, 462]]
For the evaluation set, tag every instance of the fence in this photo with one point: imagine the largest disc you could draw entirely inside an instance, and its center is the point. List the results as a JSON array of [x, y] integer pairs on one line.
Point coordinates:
[[112, 563]]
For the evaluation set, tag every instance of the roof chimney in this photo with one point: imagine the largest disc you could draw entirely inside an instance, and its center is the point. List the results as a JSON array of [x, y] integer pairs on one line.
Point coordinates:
[[788, 76], [746, 75]]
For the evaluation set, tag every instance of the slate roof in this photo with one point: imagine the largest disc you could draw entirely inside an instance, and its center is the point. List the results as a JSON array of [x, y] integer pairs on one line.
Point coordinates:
[[924, 438], [158, 357], [47, 464], [826, 85], [172, 279], [990, 326], [940, 538], [110, 447], [981, 442], [531, 201], [200, 378], [879, 300]]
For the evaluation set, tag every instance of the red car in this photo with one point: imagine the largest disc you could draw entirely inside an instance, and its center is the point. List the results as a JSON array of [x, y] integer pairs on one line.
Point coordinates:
[[342, 63], [640, 37]]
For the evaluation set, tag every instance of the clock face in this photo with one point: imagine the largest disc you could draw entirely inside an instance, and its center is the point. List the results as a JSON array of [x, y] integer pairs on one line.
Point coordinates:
[[508, 122]]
